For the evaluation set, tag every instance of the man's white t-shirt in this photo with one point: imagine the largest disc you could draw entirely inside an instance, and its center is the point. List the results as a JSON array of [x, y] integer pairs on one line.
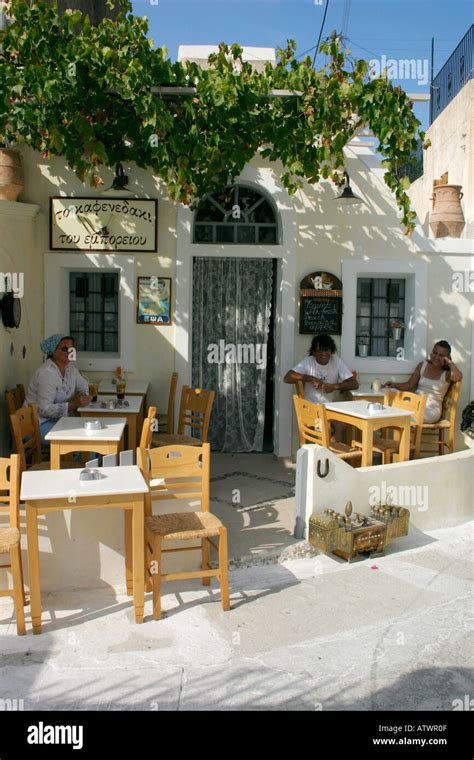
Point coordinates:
[[335, 371]]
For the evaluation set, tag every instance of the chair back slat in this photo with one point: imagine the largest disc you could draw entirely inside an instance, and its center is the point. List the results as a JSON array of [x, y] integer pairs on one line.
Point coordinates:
[[195, 410], [26, 432], [13, 399], [410, 402], [183, 470], [171, 404], [312, 422], [10, 488], [147, 428]]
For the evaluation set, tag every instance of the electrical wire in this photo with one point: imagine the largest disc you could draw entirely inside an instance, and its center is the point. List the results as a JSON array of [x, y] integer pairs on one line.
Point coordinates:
[[320, 32]]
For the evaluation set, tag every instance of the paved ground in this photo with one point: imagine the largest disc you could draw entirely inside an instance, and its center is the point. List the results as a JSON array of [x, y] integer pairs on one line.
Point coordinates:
[[314, 633]]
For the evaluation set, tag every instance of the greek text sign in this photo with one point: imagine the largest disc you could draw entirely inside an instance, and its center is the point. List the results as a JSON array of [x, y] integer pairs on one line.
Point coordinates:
[[103, 224]]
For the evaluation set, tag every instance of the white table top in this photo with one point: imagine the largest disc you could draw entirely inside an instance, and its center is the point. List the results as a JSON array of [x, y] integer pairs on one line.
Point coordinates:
[[134, 404], [367, 391], [359, 409], [59, 484], [133, 387], [72, 429]]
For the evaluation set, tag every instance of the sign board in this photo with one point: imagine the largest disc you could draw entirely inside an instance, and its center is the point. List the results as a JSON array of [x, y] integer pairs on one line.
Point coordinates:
[[103, 224], [320, 304]]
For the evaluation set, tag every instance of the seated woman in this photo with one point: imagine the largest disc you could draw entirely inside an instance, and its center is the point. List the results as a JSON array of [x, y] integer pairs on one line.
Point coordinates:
[[57, 388], [433, 378]]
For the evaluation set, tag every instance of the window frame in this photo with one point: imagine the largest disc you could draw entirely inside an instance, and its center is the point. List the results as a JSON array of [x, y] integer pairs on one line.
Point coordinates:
[[415, 274], [228, 222], [56, 304], [87, 310]]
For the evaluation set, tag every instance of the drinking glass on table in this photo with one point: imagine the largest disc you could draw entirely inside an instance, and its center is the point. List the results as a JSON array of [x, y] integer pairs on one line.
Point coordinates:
[[93, 391], [121, 390]]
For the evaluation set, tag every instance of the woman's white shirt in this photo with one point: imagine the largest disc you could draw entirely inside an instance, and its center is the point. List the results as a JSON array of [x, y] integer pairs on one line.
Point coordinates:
[[51, 392], [335, 371]]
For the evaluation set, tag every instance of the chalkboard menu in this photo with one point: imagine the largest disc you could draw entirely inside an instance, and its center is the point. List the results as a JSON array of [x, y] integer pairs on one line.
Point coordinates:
[[320, 304]]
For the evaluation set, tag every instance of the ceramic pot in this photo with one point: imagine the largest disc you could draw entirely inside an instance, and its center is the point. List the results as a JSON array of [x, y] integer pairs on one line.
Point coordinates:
[[397, 333], [363, 350], [447, 218], [11, 174]]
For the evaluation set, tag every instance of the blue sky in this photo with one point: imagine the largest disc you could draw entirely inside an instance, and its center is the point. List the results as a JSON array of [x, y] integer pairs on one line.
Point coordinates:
[[398, 30]]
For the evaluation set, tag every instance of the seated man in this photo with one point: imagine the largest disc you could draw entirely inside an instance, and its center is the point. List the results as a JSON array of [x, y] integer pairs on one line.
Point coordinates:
[[323, 374]]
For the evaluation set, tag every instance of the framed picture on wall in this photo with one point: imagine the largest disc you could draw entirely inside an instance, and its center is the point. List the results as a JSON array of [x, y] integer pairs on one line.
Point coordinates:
[[154, 300]]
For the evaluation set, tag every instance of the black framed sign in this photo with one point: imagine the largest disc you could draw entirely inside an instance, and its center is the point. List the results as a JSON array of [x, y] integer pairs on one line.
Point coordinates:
[[320, 304], [103, 224], [154, 300]]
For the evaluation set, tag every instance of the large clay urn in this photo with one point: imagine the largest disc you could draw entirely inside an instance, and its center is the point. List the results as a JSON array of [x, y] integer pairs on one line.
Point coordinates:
[[447, 218], [11, 174]]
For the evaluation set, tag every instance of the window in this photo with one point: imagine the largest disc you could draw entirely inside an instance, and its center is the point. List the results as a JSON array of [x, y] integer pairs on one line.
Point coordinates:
[[379, 301], [237, 216], [94, 311]]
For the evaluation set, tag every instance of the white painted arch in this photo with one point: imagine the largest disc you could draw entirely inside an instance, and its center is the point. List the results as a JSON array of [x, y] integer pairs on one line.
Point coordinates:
[[265, 181]]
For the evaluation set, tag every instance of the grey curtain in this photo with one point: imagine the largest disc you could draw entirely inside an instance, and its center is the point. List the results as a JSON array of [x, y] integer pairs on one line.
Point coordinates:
[[231, 316]]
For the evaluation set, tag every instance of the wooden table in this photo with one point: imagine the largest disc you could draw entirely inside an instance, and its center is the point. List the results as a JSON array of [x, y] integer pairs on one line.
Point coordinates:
[[130, 412], [133, 388], [69, 435], [356, 413], [120, 488]]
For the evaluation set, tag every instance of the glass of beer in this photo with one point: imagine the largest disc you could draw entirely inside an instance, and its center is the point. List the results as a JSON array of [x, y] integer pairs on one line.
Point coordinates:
[[93, 391], [121, 390]]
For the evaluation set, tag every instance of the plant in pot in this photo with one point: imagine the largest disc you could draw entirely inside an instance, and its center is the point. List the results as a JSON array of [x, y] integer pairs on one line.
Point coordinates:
[[363, 346], [397, 326]]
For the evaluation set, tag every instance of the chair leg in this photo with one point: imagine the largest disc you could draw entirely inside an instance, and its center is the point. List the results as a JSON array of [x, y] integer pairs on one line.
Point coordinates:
[[205, 560], [224, 569], [15, 559], [387, 456], [156, 577], [441, 442]]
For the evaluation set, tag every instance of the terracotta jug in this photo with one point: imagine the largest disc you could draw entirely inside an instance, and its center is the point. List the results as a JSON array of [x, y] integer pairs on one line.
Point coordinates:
[[11, 174], [447, 218]]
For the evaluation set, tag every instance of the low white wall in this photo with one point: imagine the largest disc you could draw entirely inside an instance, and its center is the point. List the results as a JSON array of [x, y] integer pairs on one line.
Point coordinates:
[[437, 491]]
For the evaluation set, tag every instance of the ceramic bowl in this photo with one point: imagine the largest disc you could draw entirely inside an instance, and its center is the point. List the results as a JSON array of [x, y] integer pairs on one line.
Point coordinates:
[[92, 425], [375, 407]]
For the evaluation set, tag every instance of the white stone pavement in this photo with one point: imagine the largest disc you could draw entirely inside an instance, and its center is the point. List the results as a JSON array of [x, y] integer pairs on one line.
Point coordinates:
[[393, 633]]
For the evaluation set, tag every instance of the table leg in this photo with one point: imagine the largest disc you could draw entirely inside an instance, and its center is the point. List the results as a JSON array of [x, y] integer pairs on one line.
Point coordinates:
[[33, 564], [404, 450], [367, 445], [139, 559], [128, 552], [132, 432], [55, 455]]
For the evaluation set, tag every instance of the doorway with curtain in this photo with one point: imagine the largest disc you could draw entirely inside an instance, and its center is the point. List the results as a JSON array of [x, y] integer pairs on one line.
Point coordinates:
[[233, 348]]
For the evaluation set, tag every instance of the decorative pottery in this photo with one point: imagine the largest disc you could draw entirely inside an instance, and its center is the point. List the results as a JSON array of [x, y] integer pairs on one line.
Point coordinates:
[[363, 350], [11, 174], [447, 218]]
